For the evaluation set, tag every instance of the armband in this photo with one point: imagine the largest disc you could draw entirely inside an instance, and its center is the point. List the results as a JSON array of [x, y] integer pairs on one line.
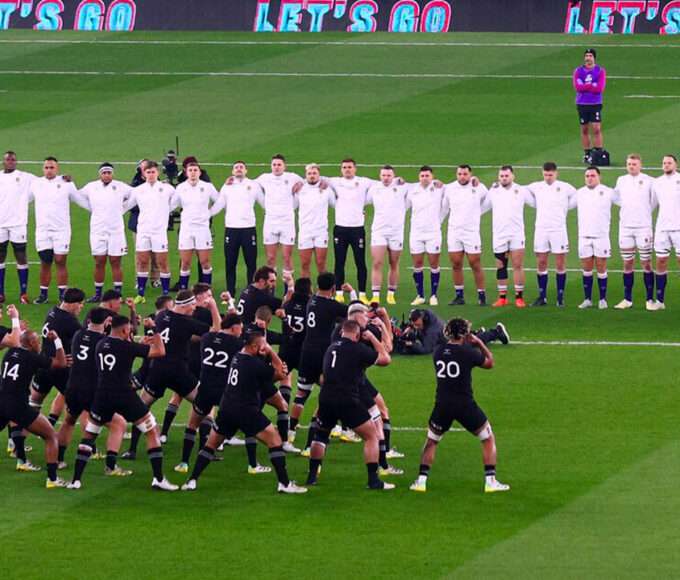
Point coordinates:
[[16, 323], [58, 344]]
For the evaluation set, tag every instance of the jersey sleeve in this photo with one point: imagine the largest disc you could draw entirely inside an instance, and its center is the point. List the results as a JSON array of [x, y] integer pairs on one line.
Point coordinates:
[[366, 355], [4, 331], [139, 350], [478, 357], [274, 303], [220, 202], [198, 327], [40, 361], [265, 372]]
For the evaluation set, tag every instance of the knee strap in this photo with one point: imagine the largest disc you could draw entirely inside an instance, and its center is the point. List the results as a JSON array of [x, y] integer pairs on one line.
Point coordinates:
[[502, 272]]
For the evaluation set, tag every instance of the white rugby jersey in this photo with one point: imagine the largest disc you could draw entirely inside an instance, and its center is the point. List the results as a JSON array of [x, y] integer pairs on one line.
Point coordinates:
[[507, 209], [106, 204], [153, 202], [195, 203], [313, 205], [52, 199], [426, 209], [552, 203], [389, 206], [666, 192], [14, 194], [636, 200], [594, 208], [350, 199], [238, 202], [279, 200], [464, 205]]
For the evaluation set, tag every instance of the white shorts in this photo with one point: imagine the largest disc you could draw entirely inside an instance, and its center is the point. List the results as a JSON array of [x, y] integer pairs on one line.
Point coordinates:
[[665, 241], [15, 234], [431, 244], [502, 245], [636, 238], [393, 240], [594, 247], [309, 240], [278, 234], [195, 238], [156, 243], [108, 243], [554, 242], [468, 242], [57, 241]]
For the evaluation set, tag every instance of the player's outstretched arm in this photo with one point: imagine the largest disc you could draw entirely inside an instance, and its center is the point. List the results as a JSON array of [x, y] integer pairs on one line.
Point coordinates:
[[157, 345], [12, 338], [488, 356], [59, 361], [383, 356]]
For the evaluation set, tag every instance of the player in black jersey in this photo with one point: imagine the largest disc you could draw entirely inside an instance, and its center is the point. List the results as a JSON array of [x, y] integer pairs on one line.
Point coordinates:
[[63, 319], [344, 365], [249, 383], [81, 387], [19, 366], [454, 401], [149, 324], [115, 355], [217, 348], [176, 328], [323, 312], [201, 292], [259, 293], [293, 330], [112, 302]]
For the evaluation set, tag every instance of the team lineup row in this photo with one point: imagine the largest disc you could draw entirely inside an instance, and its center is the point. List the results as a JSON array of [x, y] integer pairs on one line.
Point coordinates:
[[227, 363], [280, 193]]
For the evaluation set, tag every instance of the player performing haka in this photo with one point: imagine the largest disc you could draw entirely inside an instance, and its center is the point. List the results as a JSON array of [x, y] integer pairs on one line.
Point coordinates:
[[507, 200], [552, 199], [594, 204], [463, 204], [107, 200], [388, 197], [425, 201], [260, 293], [635, 229], [454, 401]]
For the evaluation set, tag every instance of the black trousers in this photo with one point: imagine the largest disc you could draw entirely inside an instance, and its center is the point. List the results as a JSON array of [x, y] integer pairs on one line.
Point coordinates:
[[344, 238], [235, 240]]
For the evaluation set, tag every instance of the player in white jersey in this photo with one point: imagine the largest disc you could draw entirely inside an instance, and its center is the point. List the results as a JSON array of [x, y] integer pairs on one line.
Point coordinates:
[[594, 204], [237, 198], [52, 195], [279, 214], [14, 187], [107, 200], [425, 201], [388, 197], [194, 197], [552, 199], [349, 231], [463, 203], [153, 200], [507, 199], [313, 198], [635, 229], [666, 191]]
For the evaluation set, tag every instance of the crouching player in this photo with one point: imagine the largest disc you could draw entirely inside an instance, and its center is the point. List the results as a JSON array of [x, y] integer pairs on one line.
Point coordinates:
[[453, 363]]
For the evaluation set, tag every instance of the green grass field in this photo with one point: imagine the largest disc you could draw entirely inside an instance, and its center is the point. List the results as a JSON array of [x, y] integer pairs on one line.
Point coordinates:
[[586, 433]]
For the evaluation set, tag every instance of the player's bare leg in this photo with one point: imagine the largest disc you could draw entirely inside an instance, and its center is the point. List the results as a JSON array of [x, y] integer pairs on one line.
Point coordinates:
[[305, 262], [143, 263], [598, 137], [377, 263], [435, 274], [393, 257], [99, 276], [542, 278], [488, 439], [456, 259], [163, 266], [43, 429], [61, 273], [518, 276], [320, 257], [205, 260], [587, 265], [116, 270], [475, 262], [169, 416]]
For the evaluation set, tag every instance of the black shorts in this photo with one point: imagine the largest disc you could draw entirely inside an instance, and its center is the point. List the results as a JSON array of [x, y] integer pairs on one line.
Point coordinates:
[[311, 366], [176, 377], [78, 400], [367, 393], [208, 396], [45, 380], [233, 417], [589, 114], [465, 411], [124, 402], [290, 354], [17, 410], [334, 409]]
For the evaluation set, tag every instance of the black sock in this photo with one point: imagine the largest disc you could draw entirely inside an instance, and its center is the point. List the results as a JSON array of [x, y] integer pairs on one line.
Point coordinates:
[[278, 458], [282, 424], [587, 151], [251, 450], [205, 456], [373, 478], [62, 453], [285, 393], [382, 459], [52, 471], [134, 439], [204, 430], [313, 426], [52, 418], [168, 418], [519, 294], [188, 445], [82, 457], [156, 458], [293, 423], [111, 459], [424, 470], [19, 444], [490, 470], [314, 465], [387, 432]]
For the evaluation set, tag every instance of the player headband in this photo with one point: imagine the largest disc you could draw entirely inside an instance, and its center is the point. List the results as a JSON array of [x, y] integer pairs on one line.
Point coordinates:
[[105, 167], [186, 302]]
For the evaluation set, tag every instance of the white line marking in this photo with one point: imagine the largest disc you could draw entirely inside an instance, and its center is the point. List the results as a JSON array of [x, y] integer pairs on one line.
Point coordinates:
[[576, 270], [651, 97], [593, 343], [274, 74], [339, 43]]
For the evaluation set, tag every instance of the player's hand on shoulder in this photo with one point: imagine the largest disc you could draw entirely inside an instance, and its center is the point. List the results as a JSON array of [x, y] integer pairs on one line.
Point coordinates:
[[280, 312], [438, 183], [230, 180], [297, 187], [346, 287], [475, 181]]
